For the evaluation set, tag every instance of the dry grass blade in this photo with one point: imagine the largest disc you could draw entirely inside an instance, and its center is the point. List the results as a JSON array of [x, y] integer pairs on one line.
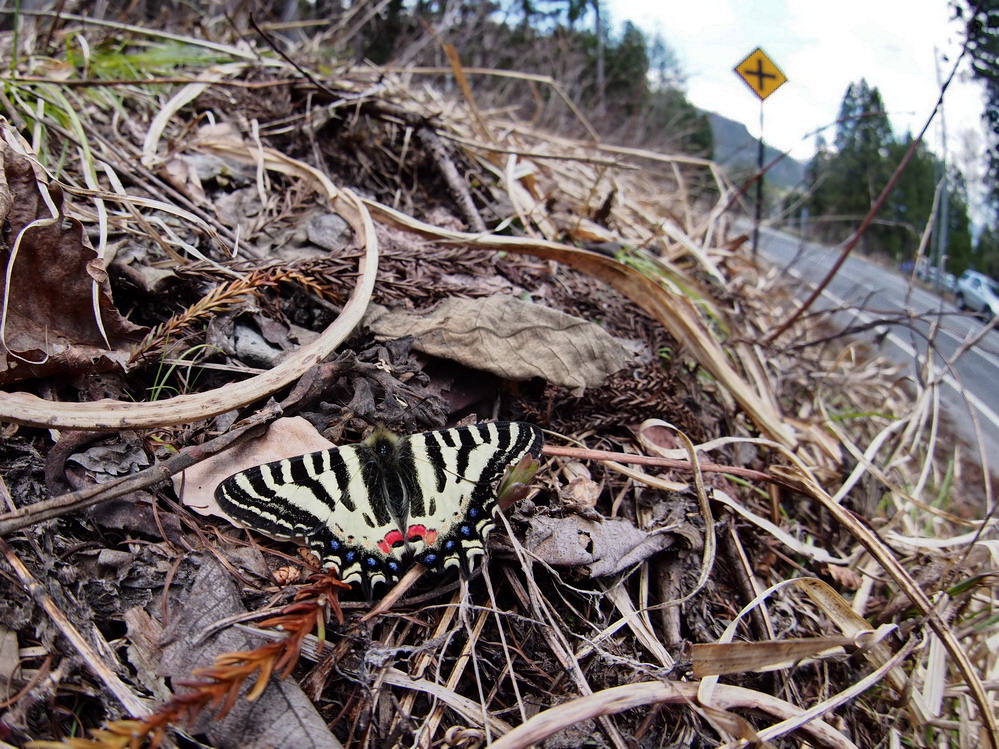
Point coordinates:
[[619, 699]]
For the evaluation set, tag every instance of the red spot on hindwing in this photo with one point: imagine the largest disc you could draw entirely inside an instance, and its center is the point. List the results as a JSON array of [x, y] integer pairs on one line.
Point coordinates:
[[392, 539], [422, 533]]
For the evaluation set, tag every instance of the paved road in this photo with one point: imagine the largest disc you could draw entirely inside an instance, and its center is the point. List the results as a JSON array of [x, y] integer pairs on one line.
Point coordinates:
[[870, 294]]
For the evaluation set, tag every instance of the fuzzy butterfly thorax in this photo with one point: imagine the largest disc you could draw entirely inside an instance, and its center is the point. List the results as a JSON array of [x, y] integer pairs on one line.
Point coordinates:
[[372, 509]]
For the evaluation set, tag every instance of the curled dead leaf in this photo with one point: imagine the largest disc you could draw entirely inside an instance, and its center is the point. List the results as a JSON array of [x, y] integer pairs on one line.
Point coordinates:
[[57, 315], [601, 548], [847, 577]]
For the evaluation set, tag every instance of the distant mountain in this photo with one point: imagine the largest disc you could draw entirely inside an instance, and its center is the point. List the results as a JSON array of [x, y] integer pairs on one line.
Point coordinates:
[[736, 149]]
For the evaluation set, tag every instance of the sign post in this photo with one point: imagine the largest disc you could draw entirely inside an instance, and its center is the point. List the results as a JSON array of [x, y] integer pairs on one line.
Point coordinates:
[[760, 73]]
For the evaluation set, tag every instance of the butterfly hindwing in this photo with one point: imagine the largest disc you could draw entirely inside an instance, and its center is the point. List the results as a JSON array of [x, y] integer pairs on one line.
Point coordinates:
[[371, 509], [458, 470]]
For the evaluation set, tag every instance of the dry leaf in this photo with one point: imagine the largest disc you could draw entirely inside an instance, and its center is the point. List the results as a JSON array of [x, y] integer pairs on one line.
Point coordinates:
[[282, 716], [512, 339], [847, 577], [720, 658], [110, 461], [48, 321], [580, 495], [602, 548]]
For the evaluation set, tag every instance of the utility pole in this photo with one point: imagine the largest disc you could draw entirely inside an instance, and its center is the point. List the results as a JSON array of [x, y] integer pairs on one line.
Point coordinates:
[[759, 187]]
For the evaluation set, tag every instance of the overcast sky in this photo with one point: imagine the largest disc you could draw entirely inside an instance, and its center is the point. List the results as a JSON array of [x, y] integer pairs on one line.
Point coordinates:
[[821, 47]]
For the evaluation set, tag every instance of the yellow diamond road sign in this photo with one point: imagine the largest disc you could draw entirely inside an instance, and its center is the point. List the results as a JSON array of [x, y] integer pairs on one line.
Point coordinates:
[[760, 73]]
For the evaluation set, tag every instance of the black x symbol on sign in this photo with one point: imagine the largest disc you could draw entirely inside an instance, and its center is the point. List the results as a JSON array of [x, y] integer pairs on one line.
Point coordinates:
[[760, 74]]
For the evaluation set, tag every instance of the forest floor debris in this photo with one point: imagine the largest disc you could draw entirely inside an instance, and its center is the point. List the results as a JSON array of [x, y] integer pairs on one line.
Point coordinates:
[[249, 202]]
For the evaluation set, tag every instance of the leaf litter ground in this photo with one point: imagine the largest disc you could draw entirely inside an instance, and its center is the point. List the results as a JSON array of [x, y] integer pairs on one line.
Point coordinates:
[[825, 575]]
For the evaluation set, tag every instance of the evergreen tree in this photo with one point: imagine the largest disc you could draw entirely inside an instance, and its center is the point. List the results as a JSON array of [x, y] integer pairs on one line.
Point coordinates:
[[981, 18], [863, 135], [627, 71], [958, 226], [846, 181]]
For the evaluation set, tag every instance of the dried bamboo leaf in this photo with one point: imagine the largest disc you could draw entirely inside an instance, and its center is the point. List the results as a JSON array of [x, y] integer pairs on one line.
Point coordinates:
[[721, 658]]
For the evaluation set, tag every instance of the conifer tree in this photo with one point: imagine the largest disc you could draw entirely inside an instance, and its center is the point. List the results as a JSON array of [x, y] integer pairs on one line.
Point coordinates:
[[981, 18], [846, 181]]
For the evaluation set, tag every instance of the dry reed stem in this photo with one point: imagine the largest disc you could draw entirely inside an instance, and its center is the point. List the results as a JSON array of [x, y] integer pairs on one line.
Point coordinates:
[[24, 408]]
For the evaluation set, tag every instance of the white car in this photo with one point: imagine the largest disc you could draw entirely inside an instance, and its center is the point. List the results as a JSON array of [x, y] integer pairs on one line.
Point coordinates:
[[979, 293]]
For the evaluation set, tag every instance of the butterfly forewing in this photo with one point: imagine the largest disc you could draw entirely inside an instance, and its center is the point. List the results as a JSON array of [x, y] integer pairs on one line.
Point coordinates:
[[369, 510]]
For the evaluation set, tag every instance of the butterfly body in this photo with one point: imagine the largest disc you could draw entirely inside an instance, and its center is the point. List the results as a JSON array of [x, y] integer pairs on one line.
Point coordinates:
[[372, 509]]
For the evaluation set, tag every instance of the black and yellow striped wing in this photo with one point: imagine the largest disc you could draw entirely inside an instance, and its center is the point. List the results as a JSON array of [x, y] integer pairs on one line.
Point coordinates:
[[372, 509]]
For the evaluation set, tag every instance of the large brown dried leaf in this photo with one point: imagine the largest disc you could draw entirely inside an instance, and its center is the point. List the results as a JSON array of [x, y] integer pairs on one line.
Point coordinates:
[[49, 322], [512, 339]]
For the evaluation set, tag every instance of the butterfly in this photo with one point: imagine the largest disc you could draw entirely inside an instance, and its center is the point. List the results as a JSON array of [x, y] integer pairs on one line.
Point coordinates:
[[372, 509]]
